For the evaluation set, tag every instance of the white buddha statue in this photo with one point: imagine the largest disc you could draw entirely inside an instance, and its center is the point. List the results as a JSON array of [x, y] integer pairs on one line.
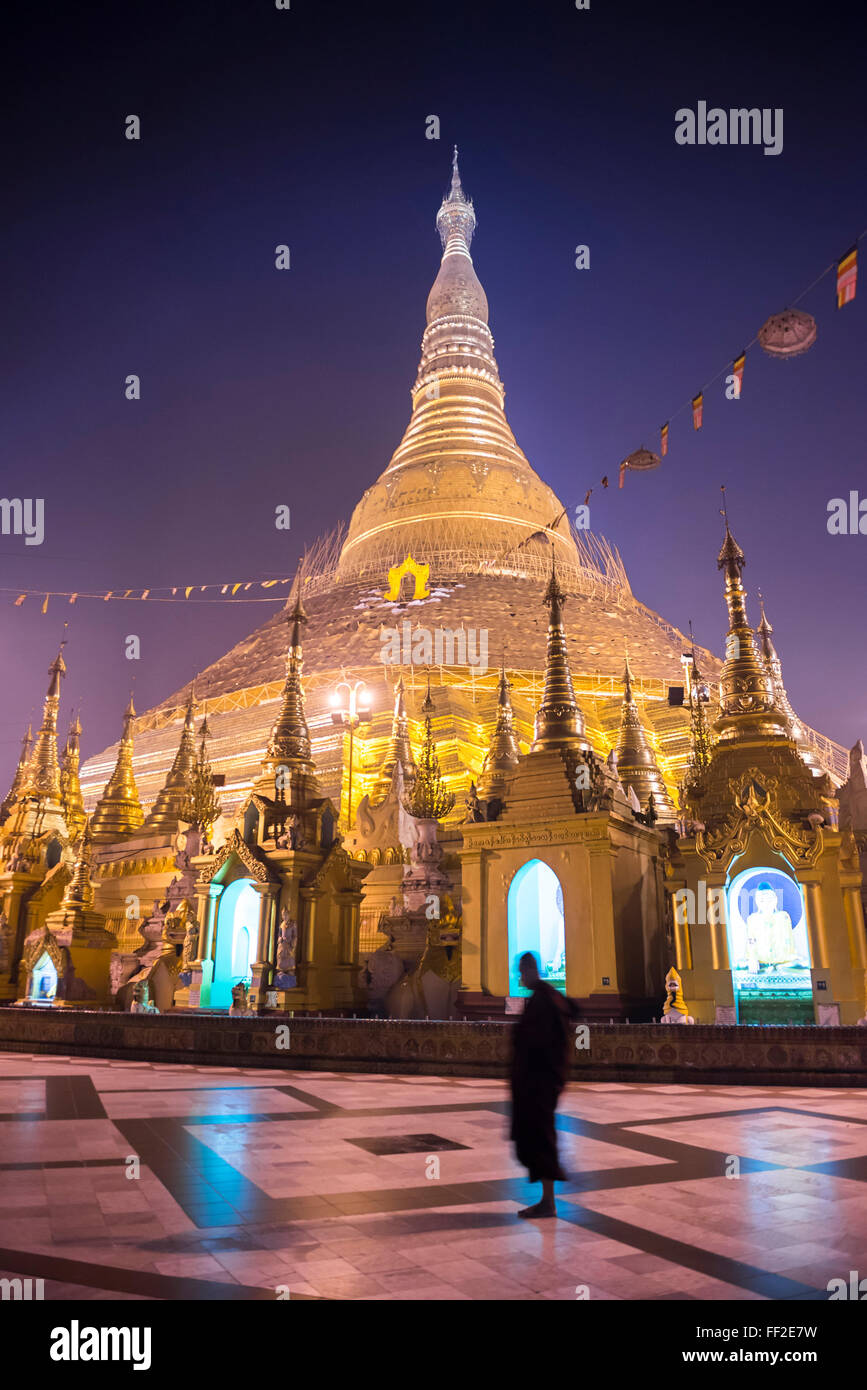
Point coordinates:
[[770, 937]]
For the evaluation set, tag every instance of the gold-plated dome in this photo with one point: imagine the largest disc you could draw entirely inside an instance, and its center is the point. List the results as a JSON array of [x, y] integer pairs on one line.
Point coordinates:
[[458, 492]]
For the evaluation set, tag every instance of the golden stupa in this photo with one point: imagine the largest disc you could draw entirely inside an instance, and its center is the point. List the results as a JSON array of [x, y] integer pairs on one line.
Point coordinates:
[[460, 497]]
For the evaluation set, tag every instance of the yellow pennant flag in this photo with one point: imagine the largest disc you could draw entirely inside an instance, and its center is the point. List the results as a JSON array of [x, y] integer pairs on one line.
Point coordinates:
[[235, 588], [188, 591], [45, 604]]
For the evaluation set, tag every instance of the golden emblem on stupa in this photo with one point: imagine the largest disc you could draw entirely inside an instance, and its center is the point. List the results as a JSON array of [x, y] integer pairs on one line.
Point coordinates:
[[419, 572]]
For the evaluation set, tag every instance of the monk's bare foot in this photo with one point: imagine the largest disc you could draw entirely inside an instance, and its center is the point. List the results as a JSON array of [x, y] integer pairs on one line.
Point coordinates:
[[540, 1209]]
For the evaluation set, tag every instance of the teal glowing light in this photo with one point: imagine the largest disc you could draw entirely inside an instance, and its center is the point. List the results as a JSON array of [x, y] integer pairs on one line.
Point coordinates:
[[536, 923], [237, 938]]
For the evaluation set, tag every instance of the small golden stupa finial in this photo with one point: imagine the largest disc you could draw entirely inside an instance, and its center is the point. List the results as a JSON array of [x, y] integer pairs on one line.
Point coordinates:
[[118, 811], [559, 720]]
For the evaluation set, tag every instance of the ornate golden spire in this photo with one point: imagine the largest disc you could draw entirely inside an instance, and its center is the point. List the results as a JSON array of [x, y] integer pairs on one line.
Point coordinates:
[[289, 742], [636, 764], [559, 720], [70, 786], [458, 486], [19, 781], [503, 752], [429, 799], [201, 805], [43, 770], [118, 811], [746, 688], [79, 890], [166, 809], [399, 747], [775, 670]]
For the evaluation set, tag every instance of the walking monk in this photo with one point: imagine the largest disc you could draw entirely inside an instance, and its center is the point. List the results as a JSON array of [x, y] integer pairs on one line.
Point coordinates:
[[540, 1070]]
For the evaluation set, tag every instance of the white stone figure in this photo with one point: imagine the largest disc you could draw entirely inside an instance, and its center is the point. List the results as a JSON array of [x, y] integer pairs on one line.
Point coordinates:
[[770, 939], [287, 945]]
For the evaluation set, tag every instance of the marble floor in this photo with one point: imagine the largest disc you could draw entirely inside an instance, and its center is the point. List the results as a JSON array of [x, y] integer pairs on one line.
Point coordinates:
[[126, 1180]]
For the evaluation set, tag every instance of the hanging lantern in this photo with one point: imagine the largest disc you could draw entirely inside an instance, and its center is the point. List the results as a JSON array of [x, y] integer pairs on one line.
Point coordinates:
[[642, 459], [788, 334]]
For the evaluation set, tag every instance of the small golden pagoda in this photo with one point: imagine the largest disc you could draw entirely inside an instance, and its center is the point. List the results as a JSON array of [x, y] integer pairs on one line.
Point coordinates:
[[399, 747], [66, 960], [166, 810], [20, 779], [70, 785], [636, 763], [118, 811], [766, 891], [504, 751]]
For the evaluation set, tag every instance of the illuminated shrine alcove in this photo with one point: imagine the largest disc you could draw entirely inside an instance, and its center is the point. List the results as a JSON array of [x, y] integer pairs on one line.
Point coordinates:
[[237, 938], [769, 949], [43, 981], [537, 924]]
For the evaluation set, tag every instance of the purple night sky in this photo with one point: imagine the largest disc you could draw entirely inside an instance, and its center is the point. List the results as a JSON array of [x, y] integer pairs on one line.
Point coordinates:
[[261, 387]]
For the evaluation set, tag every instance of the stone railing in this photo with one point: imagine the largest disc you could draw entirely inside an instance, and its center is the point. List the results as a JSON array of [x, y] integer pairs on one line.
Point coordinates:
[[616, 1052]]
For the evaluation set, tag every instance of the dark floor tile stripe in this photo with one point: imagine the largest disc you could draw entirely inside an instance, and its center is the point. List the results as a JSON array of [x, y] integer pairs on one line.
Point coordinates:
[[143, 1282], [720, 1267]]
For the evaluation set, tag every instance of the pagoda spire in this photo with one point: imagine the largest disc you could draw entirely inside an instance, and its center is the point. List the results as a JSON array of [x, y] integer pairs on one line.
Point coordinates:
[[166, 810], [429, 798], [201, 805], [700, 735], [746, 687], [70, 785], [559, 720], [19, 781], [43, 770], [636, 763], [764, 632], [399, 747], [289, 744], [118, 811], [79, 890], [504, 751]]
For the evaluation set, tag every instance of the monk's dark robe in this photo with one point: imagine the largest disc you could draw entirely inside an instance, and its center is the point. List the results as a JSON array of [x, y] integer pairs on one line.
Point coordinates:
[[541, 1042]]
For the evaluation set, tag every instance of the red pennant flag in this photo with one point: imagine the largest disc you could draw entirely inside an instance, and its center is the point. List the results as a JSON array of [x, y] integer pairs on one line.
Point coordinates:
[[738, 373], [847, 277], [623, 467], [586, 504], [73, 597], [605, 481], [20, 599], [663, 440], [697, 410]]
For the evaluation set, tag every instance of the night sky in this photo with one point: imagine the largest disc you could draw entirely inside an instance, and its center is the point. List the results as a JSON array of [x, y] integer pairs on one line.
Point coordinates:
[[260, 387]]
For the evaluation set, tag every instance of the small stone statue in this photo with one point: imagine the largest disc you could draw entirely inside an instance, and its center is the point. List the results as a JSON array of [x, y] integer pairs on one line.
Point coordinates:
[[191, 944], [475, 810], [287, 944], [674, 1009], [239, 999], [140, 1001], [651, 816]]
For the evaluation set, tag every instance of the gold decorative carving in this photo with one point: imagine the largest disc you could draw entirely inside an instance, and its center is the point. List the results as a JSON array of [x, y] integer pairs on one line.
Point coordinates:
[[754, 796]]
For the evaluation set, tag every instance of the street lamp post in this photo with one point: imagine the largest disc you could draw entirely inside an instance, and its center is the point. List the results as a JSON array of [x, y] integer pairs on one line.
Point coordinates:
[[350, 716]]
